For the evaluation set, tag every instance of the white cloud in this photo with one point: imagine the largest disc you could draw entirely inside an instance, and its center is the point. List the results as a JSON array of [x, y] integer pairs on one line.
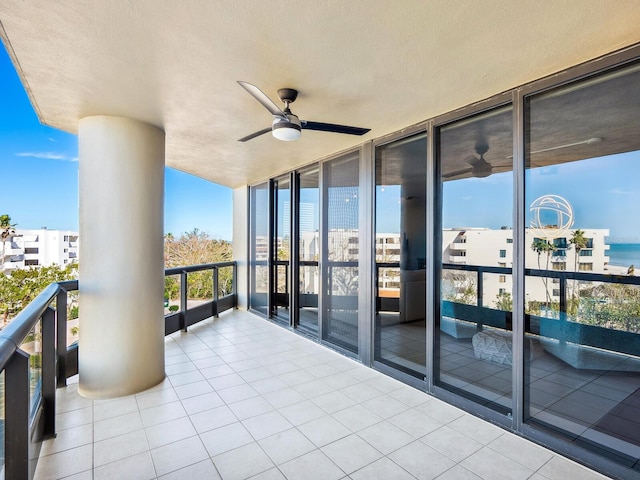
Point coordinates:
[[619, 191], [466, 197], [48, 156]]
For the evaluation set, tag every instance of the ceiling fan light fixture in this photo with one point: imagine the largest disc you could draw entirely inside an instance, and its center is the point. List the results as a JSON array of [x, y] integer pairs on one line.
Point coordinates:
[[286, 130]]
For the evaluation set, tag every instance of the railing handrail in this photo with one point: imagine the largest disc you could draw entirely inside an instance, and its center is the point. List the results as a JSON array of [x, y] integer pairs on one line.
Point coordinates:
[[12, 336], [562, 274], [197, 268], [14, 333]]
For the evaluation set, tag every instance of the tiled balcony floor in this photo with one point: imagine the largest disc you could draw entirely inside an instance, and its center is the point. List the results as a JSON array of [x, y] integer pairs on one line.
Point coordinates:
[[244, 398]]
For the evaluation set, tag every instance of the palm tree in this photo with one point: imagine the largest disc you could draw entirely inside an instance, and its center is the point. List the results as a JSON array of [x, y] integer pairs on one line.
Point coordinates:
[[544, 246], [6, 230], [579, 241]]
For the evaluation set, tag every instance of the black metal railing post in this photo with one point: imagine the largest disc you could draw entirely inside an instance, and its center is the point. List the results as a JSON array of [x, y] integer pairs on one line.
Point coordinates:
[[215, 291], [16, 429], [49, 371], [234, 279], [183, 300], [61, 337], [480, 286], [563, 307]]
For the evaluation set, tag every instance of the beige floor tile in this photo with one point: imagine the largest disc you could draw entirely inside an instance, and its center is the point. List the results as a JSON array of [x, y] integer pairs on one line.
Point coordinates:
[[351, 453], [117, 448], [324, 430], [451, 443], [386, 437], [226, 438], [177, 455], [285, 446], [66, 463], [235, 464], [202, 470], [138, 467], [311, 466], [112, 427], [162, 413], [169, 432], [421, 461], [489, 464], [382, 469], [213, 418]]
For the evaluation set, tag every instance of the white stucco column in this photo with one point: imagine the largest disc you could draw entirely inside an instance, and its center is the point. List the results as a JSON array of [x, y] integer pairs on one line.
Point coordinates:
[[121, 336]]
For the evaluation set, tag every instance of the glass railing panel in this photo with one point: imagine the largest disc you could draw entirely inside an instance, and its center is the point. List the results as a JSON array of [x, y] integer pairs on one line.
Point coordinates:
[[2, 423], [171, 294], [32, 345], [225, 281], [199, 288]]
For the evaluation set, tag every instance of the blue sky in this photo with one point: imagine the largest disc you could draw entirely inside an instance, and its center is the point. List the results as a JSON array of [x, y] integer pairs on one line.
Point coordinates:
[[39, 171]]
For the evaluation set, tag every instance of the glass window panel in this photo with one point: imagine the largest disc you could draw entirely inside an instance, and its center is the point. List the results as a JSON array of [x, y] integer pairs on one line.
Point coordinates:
[[281, 247], [473, 350], [309, 248], [340, 303], [259, 249], [400, 323], [583, 309]]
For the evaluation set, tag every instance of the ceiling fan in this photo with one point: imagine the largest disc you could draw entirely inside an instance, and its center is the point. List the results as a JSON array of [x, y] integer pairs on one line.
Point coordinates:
[[480, 168], [286, 125]]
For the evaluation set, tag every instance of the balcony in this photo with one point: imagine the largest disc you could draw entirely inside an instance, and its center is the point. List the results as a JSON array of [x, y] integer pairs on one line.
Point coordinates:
[[239, 387], [460, 259]]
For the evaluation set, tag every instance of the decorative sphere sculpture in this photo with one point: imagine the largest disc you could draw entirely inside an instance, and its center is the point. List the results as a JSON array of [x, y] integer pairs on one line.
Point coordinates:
[[552, 216]]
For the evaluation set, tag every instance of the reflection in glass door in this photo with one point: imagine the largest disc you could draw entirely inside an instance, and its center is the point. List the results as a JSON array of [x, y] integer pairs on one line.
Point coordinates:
[[473, 338], [400, 249], [281, 220], [309, 249], [582, 250], [340, 252]]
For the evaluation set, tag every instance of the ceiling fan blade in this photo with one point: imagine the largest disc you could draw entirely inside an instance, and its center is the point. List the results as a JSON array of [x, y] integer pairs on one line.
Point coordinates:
[[263, 99], [255, 134], [457, 172], [331, 127]]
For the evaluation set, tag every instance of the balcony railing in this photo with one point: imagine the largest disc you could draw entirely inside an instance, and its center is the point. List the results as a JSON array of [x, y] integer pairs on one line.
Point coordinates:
[[29, 406]]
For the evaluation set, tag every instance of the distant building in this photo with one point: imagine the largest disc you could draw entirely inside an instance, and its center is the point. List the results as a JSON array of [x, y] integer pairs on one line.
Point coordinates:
[[494, 248], [43, 247]]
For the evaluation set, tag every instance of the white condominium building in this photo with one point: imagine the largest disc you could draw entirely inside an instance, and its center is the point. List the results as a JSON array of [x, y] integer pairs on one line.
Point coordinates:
[[42, 247]]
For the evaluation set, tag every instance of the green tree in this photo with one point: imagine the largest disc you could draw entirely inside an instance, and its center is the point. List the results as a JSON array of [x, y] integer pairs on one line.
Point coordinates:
[[21, 286], [579, 241], [6, 230], [194, 248], [504, 301]]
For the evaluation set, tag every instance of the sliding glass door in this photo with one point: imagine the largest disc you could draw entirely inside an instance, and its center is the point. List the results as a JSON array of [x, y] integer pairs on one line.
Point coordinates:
[[340, 252], [400, 254], [473, 331]]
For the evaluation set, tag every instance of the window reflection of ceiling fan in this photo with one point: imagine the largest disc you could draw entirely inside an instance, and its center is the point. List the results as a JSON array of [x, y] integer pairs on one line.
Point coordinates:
[[479, 167]]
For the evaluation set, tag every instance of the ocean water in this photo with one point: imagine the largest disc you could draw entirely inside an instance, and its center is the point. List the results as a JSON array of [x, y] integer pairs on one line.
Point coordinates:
[[624, 254]]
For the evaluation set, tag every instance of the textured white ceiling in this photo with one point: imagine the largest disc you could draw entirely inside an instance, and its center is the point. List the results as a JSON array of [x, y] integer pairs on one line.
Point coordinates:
[[379, 64]]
